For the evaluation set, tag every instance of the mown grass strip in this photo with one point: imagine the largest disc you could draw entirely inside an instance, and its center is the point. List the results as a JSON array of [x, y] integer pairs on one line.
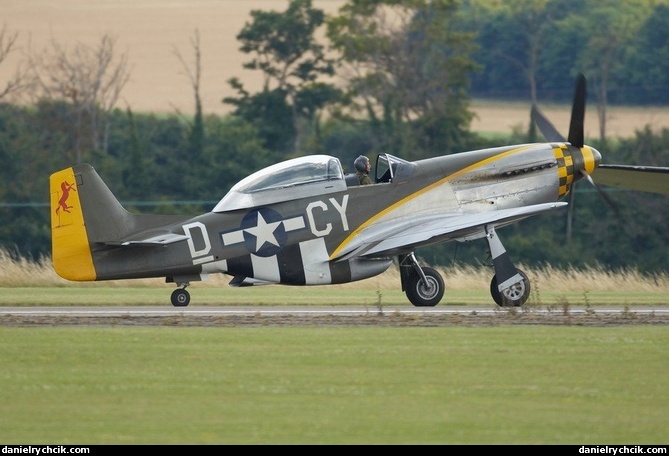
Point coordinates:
[[301, 296], [334, 385]]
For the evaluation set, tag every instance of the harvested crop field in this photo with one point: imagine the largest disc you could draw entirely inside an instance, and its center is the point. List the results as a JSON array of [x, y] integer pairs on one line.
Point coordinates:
[[152, 33]]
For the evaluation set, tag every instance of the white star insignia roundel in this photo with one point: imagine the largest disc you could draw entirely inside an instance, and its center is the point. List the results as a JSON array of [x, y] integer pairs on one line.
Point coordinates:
[[264, 232]]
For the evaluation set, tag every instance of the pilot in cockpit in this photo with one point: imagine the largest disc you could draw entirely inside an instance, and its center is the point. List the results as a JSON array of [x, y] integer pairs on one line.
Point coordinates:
[[363, 167]]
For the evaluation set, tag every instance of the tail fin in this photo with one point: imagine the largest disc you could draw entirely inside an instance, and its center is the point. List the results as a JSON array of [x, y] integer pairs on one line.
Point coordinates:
[[83, 211], [70, 250]]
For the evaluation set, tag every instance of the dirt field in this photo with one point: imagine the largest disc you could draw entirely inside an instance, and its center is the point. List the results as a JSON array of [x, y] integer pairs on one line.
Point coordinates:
[[151, 31]]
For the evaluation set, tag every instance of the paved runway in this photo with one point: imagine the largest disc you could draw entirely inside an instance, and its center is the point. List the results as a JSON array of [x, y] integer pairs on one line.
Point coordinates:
[[396, 316], [211, 311]]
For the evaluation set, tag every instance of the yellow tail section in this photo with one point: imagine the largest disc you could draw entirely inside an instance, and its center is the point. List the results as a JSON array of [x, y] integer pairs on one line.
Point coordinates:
[[70, 250]]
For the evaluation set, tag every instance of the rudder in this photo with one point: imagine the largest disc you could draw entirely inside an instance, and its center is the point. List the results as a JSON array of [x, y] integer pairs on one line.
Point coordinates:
[[70, 248]]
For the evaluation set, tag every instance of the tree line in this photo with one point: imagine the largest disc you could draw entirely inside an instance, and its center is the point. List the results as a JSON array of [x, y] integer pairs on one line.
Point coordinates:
[[405, 73]]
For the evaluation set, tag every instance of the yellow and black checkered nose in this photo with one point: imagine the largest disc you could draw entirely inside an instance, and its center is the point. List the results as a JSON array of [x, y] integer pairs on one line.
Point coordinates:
[[574, 163]]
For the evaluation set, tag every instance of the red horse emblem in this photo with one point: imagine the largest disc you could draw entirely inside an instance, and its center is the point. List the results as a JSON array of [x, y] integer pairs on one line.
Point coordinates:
[[62, 202]]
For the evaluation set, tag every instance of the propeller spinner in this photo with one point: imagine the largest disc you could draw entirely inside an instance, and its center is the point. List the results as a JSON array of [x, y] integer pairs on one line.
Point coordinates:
[[580, 160]]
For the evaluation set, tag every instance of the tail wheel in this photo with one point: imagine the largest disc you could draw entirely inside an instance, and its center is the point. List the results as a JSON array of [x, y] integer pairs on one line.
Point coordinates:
[[180, 297], [516, 295], [425, 293]]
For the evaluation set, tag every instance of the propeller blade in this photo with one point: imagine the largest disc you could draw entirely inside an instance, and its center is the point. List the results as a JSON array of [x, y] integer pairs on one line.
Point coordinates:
[[654, 179], [545, 126], [601, 192], [576, 136]]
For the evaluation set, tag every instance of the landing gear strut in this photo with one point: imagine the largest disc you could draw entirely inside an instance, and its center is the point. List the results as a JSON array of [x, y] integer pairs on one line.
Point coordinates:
[[423, 286]]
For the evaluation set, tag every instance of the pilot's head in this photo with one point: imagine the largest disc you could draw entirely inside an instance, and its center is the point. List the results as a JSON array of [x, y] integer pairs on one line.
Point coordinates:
[[361, 163]]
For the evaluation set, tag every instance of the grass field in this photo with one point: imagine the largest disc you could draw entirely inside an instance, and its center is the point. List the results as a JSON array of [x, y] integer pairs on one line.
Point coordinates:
[[34, 282], [334, 385], [495, 384]]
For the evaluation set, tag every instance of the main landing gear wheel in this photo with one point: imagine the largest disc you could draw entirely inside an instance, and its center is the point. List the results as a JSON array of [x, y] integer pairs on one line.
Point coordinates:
[[515, 295], [180, 297], [425, 293]]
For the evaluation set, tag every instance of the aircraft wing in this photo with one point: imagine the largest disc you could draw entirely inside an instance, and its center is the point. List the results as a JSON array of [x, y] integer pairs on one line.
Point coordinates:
[[653, 179], [386, 238]]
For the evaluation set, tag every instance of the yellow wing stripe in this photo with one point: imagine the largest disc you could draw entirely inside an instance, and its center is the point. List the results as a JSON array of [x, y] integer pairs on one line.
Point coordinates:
[[71, 253]]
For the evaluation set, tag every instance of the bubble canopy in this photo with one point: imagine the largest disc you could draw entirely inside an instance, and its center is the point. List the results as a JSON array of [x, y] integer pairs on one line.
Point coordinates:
[[290, 179]]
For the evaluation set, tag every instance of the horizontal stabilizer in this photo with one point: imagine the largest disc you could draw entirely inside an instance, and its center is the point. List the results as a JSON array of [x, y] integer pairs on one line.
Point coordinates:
[[159, 239]]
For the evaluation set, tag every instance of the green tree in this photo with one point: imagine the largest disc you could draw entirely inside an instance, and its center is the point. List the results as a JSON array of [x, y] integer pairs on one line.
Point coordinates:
[[29, 154], [521, 27], [283, 46], [196, 132], [602, 57], [135, 174], [234, 150], [649, 49], [409, 70]]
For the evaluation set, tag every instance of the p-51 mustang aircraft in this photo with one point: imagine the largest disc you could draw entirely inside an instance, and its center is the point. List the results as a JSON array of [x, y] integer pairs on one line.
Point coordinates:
[[304, 222]]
